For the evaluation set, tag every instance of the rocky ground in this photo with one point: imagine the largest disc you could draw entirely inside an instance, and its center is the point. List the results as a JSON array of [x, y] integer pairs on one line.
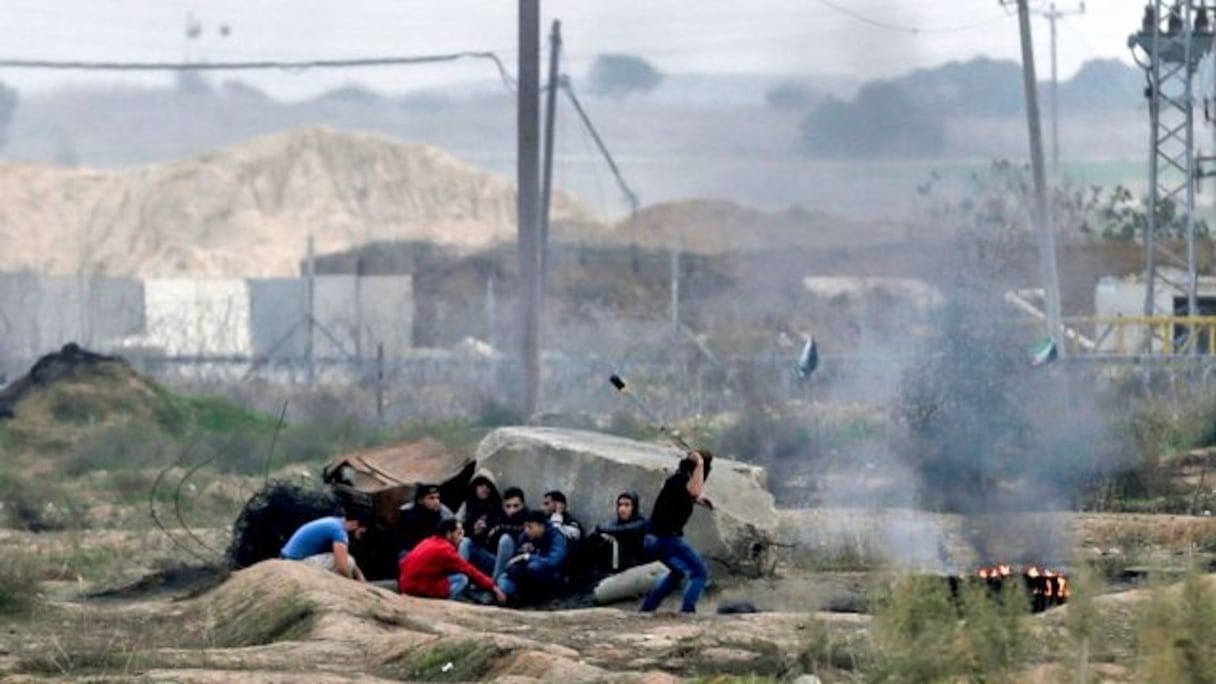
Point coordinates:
[[279, 621]]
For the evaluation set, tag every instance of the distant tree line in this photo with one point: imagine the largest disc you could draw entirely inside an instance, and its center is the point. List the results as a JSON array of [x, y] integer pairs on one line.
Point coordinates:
[[882, 121], [906, 116], [8, 107]]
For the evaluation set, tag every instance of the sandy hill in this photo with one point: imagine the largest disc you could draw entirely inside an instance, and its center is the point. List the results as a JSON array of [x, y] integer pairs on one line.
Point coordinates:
[[247, 210], [718, 227]]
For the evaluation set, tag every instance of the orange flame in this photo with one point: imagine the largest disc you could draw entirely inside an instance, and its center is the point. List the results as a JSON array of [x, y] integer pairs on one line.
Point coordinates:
[[1054, 585]]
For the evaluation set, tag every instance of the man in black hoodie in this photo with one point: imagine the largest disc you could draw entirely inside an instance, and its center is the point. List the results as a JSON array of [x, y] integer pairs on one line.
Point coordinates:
[[618, 544], [482, 509]]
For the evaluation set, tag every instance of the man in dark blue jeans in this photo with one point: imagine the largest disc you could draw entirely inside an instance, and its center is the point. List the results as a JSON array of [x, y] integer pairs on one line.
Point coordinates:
[[536, 571], [665, 536]]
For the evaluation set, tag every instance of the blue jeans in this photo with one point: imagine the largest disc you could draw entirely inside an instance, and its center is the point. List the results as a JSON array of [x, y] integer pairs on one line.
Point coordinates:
[[492, 564], [530, 579], [457, 584], [681, 561]]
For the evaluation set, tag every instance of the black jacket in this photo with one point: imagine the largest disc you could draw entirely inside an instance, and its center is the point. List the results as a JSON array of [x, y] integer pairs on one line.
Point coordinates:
[[489, 510], [512, 525], [416, 523], [629, 534]]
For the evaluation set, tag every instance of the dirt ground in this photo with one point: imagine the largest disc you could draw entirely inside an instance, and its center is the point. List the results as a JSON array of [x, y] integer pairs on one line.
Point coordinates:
[[279, 621]]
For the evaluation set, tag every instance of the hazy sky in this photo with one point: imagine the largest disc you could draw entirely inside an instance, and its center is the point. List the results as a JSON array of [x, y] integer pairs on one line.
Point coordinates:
[[757, 36]]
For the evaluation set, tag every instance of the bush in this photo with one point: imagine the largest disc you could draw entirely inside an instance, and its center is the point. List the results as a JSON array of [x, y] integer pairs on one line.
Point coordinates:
[[620, 75], [1176, 641], [18, 584], [881, 122], [35, 504], [123, 446], [790, 95], [924, 633]]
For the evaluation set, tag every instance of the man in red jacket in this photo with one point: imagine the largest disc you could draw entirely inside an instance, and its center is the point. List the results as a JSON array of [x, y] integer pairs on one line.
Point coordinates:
[[435, 570]]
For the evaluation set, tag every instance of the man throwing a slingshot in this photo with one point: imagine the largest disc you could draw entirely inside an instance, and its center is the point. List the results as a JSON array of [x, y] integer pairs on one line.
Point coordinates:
[[664, 540]]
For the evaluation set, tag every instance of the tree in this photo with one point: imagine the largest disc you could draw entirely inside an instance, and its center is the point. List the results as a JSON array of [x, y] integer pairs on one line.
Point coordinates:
[[789, 95], [8, 105], [882, 121], [986, 430], [617, 75]]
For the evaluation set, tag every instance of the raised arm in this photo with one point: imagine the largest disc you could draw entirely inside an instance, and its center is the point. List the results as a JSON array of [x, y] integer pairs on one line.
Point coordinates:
[[696, 482]]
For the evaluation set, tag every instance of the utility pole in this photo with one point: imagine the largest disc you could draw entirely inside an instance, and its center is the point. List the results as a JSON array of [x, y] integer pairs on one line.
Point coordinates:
[[546, 191], [1170, 45], [674, 305], [1047, 246], [1052, 15], [310, 316], [528, 201]]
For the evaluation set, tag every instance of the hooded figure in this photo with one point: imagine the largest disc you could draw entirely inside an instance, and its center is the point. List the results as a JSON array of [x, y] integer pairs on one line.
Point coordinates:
[[619, 542], [482, 510]]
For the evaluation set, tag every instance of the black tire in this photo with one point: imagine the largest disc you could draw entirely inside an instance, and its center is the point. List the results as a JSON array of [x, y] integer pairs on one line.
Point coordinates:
[[271, 516]]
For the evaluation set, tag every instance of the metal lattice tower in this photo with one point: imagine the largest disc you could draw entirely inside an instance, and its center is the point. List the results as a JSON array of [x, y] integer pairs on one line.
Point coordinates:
[[1172, 41]]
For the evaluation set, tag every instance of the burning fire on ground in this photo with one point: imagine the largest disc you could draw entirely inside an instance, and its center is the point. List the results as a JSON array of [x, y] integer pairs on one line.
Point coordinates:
[[1047, 588]]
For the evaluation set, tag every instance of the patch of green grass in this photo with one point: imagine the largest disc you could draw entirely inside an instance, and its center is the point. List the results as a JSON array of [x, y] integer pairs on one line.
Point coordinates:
[[1176, 641], [36, 504], [456, 433], [290, 619], [826, 651], [119, 446], [470, 660], [923, 633], [75, 662], [78, 560], [18, 584], [179, 414]]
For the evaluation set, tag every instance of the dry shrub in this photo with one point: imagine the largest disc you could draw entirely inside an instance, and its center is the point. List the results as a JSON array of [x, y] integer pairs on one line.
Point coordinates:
[[18, 584], [1176, 640], [925, 633], [35, 504]]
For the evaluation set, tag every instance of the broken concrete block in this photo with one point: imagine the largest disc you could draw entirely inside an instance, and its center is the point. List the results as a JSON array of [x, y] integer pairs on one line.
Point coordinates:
[[592, 468]]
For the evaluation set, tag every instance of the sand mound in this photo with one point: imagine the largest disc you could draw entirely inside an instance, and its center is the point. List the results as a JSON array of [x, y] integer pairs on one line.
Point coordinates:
[[280, 601], [714, 227], [248, 210], [278, 610], [76, 385]]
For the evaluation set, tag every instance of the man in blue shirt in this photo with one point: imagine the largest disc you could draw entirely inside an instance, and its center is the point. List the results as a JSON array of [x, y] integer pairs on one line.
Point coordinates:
[[325, 543]]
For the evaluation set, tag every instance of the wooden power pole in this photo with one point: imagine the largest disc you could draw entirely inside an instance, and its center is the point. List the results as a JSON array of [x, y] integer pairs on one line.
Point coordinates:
[[1047, 243], [528, 202]]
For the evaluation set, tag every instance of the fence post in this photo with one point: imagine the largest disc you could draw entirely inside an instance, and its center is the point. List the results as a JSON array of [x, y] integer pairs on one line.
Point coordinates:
[[380, 383]]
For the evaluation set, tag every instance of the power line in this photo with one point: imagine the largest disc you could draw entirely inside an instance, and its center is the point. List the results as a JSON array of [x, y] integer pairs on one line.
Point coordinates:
[[634, 204], [913, 30], [258, 65]]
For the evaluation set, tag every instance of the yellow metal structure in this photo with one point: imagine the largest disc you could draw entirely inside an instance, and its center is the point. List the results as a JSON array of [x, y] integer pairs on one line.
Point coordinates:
[[1142, 335]]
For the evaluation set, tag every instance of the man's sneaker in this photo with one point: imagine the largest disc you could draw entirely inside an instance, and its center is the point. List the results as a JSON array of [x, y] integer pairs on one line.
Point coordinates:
[[480, 596]]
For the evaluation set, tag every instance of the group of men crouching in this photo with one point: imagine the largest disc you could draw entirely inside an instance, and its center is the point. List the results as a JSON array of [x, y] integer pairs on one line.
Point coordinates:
[[496, 549]]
